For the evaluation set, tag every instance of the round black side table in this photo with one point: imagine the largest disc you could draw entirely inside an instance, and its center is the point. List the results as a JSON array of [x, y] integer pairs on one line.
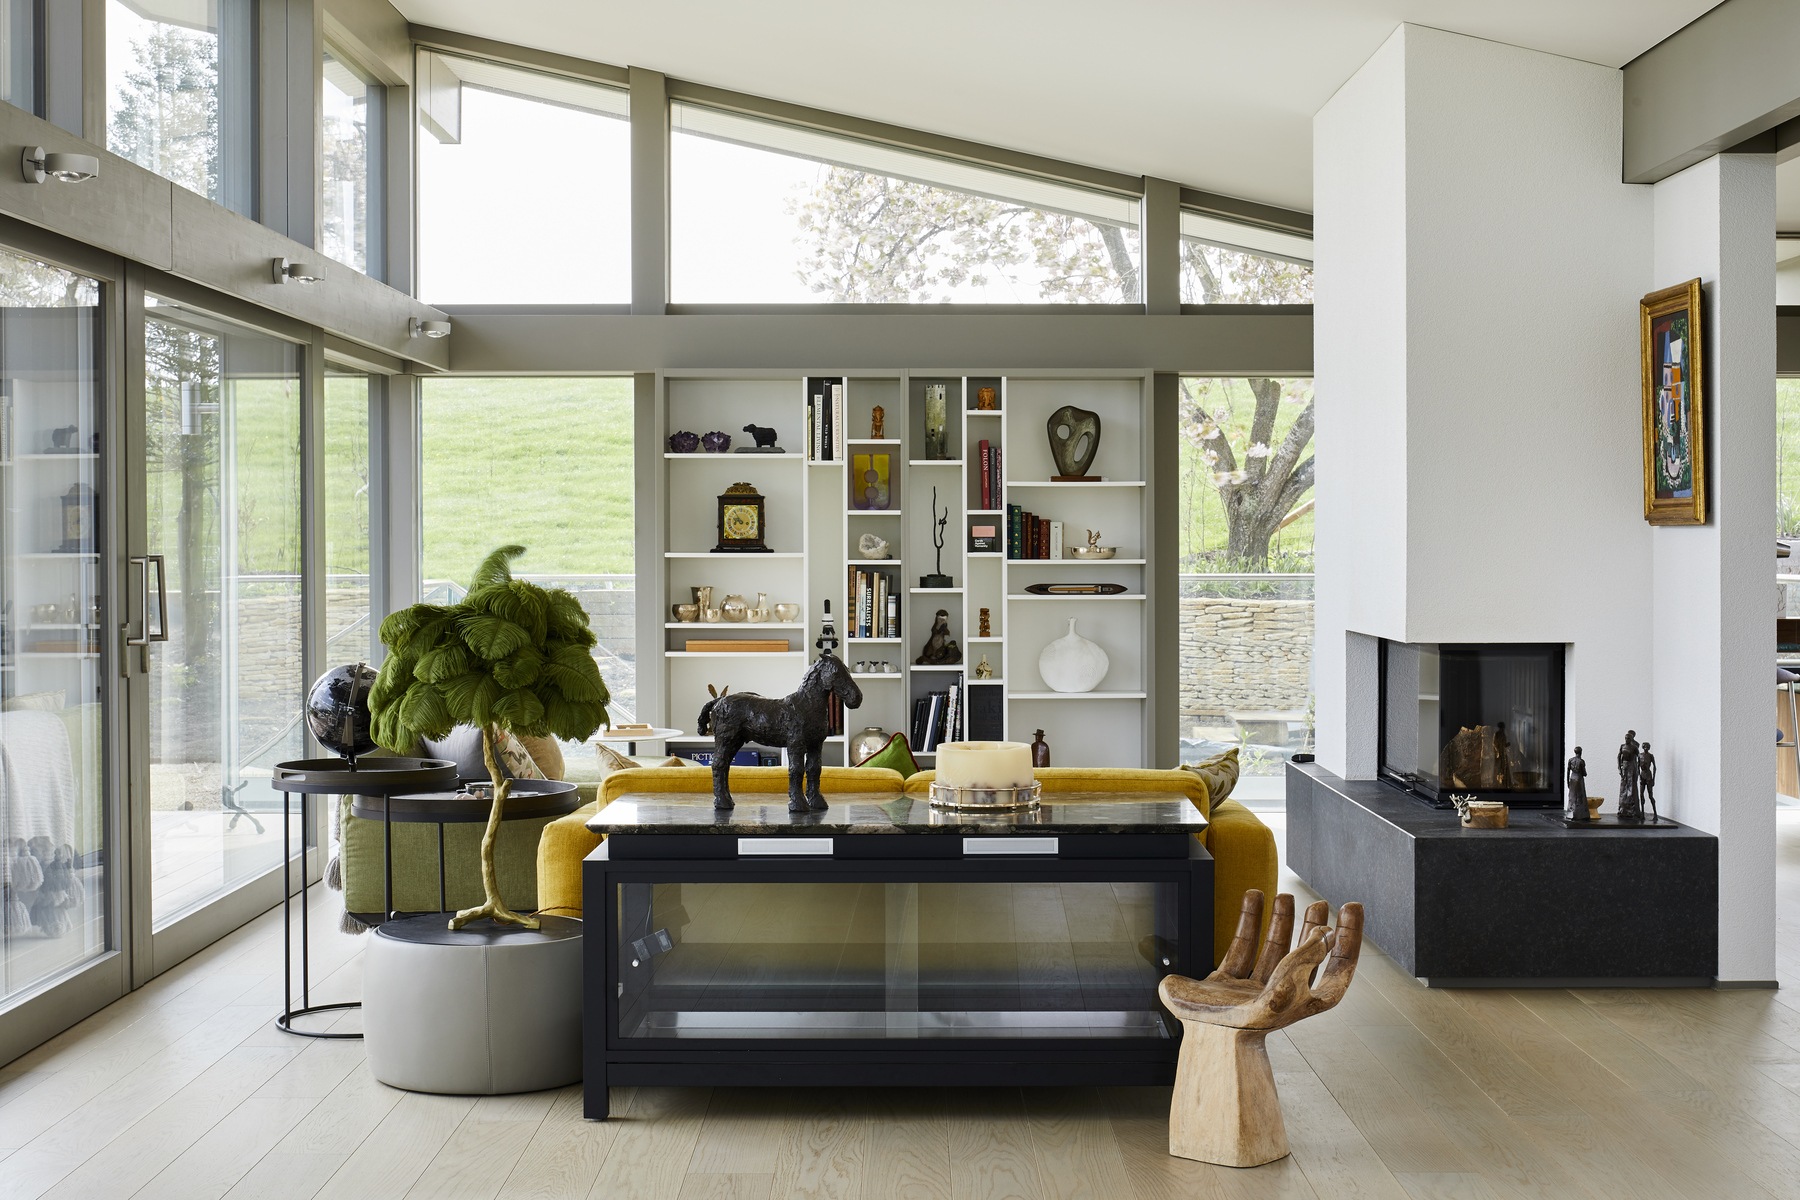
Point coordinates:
[[529, 798], [368, 776]]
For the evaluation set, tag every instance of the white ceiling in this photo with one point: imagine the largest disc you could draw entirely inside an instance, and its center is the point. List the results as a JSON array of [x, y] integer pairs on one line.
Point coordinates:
[[1217, 94]]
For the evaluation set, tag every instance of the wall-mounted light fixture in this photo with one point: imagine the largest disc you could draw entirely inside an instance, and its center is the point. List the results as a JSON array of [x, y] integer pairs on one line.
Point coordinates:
[[285, 271], [430, 329], [38, 166]]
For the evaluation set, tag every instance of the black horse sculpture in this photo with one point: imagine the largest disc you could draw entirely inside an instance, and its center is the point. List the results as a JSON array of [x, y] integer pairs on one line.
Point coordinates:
[[798, 722]]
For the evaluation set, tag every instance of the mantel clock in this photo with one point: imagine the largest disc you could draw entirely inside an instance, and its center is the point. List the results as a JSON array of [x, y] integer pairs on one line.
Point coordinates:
[[741, 527]]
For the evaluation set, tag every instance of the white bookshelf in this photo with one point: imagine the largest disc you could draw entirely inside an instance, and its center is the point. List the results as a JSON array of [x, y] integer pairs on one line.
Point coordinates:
[[814, 528]]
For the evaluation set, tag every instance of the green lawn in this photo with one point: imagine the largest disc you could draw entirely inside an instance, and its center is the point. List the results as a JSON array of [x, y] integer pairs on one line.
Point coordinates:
[[546, 463]]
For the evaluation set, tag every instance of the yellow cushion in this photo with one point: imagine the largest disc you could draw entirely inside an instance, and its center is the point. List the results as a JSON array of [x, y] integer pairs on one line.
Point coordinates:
[[1242, 847], [1220, 773], [568, 840]]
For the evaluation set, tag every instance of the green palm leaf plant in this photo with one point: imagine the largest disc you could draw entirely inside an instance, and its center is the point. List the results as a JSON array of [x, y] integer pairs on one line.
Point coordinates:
[[510, 656]]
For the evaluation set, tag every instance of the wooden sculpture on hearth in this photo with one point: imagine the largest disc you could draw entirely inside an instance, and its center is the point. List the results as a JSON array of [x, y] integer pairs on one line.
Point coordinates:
[[1225, 1109], [799, 723]]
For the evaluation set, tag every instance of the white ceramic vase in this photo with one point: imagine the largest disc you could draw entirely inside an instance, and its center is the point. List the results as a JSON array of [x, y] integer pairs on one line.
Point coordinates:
[[1072, 663]]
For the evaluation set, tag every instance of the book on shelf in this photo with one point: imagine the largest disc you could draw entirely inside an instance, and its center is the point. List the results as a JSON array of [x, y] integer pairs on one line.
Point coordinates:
[[984, 452], [1029, 536], [937, 718], [874, 604], [837, 420], [1056, 540]]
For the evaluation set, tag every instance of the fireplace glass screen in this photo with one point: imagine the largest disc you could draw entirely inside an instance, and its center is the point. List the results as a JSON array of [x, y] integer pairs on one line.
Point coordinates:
[[1479, 720]]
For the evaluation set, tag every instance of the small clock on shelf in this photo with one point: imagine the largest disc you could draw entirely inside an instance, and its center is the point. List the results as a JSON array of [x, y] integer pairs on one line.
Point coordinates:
[[741, 527]]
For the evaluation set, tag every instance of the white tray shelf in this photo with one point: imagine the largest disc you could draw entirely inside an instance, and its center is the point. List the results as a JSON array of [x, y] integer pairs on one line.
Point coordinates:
[[872, 562], [1078, 696], [934, 591], [876, 675], [733, 625], [1092, 483], [1077, 562], [732, 556], [871, 441], [1084, 599], [702, 456], [862, 641], [934, 462], [957, 667], [733, 654], [872, 512]]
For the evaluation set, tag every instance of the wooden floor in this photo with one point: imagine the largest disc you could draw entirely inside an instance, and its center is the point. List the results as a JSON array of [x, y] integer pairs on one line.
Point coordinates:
[[183, 1089]]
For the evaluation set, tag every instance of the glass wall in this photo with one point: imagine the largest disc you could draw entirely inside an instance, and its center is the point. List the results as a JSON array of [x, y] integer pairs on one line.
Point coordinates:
[[535, 170], [54, 849], [19, 54], [767, 213], [349, 617], [351, 193], [181, 93], [1245, 499], [223, 504], [546, 464], [1227, 263]]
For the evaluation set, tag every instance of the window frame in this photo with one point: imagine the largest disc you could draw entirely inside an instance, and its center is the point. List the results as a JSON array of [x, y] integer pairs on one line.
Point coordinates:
[[376, 132]]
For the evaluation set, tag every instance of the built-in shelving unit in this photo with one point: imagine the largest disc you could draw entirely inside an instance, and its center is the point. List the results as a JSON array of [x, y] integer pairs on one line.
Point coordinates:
[[816, 518]]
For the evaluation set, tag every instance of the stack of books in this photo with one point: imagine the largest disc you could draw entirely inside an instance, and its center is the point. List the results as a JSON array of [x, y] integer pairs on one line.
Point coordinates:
[[988, 455], [825, 420], [874, 604], [937, 718], [1031, 536]]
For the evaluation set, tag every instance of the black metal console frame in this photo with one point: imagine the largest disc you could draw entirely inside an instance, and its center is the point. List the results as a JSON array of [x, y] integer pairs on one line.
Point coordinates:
[[610, 1059]]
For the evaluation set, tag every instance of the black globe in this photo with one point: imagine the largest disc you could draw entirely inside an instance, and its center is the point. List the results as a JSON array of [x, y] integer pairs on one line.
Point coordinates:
[[337, 710]]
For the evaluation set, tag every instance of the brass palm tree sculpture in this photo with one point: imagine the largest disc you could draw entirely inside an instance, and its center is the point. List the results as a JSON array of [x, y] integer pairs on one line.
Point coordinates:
[[1225, 1109], [512, 656]]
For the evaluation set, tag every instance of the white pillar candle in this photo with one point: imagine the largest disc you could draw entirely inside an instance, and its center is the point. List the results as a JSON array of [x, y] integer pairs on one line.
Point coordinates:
[[984, 764]]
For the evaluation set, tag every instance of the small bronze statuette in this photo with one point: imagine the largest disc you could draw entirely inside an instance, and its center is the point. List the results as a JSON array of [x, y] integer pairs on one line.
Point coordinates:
[[1630, 809], [799, 722], [878, 422], [1575, 805], [1646, 764]]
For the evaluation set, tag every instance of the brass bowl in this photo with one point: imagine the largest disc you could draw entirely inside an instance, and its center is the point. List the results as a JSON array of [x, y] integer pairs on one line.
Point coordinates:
[[1095, 554]]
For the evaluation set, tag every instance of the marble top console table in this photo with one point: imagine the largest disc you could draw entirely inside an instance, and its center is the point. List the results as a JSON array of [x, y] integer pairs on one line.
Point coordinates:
[[885, 943], [1534, 905]]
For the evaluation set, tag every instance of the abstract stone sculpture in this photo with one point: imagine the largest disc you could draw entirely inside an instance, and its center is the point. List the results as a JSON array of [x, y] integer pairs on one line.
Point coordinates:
[[1225, 1109], [940, 649], [1074, 440], [799, 723]]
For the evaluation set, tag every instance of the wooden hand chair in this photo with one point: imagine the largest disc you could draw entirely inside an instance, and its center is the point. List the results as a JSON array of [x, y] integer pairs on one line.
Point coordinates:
[[1225, 1109]]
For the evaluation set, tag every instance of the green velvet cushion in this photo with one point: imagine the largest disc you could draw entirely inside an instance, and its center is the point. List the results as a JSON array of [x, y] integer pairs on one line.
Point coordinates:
[[416, 864], [895, 756]]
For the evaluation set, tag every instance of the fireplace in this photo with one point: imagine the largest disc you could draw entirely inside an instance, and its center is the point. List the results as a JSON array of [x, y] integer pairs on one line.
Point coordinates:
[[1478, 720]]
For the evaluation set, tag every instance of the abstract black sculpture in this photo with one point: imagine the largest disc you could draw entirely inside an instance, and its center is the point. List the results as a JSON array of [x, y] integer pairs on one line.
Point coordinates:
[[762, 435], [799, 723]]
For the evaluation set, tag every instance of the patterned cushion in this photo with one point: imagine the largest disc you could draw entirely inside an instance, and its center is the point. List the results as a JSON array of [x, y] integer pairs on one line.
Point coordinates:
[[896, 755], [611, 760], [1220, 773]]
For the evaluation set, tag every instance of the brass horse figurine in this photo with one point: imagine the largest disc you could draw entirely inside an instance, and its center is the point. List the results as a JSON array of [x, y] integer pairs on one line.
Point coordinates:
[[798, 722]]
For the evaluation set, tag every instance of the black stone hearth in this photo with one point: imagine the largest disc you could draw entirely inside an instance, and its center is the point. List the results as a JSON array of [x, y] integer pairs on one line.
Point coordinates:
[[1534, 905]]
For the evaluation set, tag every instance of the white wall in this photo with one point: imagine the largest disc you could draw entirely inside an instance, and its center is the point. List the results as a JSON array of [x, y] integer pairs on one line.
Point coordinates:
[[1714, 636], [1480, 462], [1480, 476]]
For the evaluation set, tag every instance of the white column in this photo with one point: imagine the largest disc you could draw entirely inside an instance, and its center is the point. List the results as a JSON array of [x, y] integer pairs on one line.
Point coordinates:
[[1713, 598]]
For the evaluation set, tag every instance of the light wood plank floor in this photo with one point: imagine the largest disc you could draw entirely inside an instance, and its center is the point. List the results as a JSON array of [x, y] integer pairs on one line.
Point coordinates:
[[183, 1089]]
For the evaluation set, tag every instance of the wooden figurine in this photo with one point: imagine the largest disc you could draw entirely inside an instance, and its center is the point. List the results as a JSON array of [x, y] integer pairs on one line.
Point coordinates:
[[985, 632], [798, 722], [1225, 1109], [878, 422]]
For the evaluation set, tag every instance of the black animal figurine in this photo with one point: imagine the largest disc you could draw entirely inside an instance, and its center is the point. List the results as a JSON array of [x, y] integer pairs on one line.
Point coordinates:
[[798, 722], [764, 437]]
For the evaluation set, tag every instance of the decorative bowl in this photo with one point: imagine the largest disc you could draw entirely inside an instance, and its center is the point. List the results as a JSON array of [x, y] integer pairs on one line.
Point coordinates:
[[684, 442], [787, 613], [1094, 553], [687, 612], [734, 609], [716, 442]]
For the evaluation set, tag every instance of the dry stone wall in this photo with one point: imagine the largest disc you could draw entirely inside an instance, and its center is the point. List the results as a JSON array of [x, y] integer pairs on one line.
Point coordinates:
[[1244, 655]]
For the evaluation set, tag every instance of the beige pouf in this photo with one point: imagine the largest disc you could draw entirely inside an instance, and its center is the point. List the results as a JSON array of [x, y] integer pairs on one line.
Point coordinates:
[[479, 1012]]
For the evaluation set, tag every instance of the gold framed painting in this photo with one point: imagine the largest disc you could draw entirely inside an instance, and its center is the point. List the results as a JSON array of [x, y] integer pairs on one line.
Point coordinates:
[[1670, 330]]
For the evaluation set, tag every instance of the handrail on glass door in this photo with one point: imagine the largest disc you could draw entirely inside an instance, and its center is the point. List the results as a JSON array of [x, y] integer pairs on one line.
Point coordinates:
[[143, 640]]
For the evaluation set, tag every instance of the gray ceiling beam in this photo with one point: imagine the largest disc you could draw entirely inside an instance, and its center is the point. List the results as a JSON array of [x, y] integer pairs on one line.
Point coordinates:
[[1726, 78], [1271, 340]]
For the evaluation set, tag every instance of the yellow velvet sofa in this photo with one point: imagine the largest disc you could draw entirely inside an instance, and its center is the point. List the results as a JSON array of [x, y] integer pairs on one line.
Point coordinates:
[[1242, 847]]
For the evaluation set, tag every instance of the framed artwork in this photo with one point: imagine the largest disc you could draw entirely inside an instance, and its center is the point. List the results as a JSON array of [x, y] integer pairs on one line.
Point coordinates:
[[1674, 406], [870, 481]]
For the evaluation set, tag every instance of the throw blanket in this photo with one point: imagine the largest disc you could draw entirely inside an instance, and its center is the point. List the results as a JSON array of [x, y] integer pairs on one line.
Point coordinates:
[[37, 778]]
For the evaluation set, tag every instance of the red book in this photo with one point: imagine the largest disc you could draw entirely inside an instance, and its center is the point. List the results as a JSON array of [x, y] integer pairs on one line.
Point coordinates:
[[987, 478]]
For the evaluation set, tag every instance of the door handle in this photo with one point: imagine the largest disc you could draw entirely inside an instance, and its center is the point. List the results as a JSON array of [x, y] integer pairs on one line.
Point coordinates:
[[144, 562]]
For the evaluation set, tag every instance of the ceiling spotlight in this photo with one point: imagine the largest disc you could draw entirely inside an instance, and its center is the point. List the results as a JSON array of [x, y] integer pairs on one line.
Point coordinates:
[[37, 166], [285, 271], [430, 329]]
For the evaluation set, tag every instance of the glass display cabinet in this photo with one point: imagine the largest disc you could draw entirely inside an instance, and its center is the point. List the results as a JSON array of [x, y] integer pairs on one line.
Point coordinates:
[[764, 949]]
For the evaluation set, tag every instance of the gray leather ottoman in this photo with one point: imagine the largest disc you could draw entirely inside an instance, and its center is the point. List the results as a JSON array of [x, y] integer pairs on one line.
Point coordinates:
[[483, 1011]]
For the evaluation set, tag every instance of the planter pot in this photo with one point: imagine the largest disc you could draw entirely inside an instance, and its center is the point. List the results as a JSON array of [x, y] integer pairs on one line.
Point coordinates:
[[1072, 663]]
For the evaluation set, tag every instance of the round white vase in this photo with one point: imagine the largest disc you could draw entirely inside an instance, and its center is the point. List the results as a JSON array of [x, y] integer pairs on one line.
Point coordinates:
[[1072, 663]]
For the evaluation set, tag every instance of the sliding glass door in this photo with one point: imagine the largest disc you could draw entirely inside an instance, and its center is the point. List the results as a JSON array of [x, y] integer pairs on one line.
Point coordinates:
[[223, 622], [55, 850]]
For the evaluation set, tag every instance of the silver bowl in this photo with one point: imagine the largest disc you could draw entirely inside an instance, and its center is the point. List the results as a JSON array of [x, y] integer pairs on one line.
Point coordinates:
[[1096, 554]]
